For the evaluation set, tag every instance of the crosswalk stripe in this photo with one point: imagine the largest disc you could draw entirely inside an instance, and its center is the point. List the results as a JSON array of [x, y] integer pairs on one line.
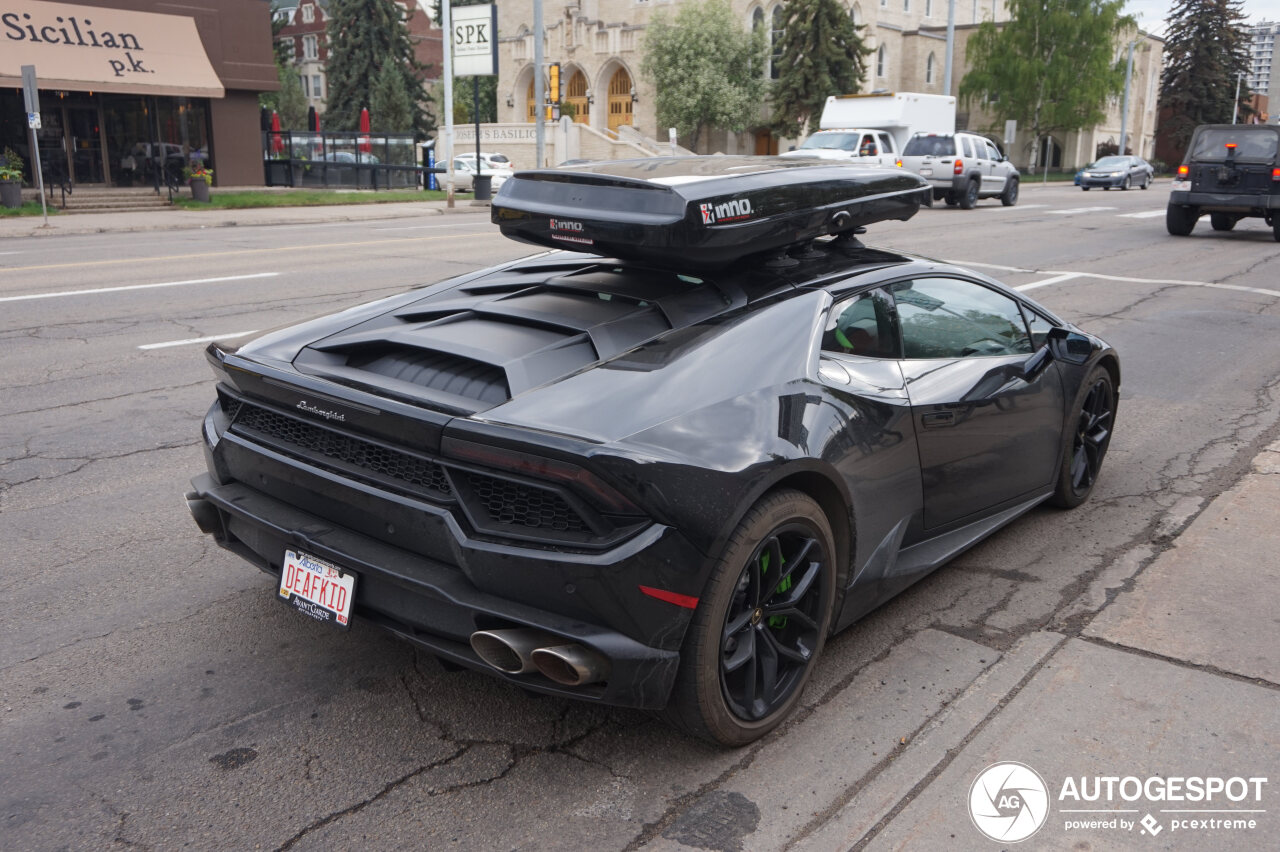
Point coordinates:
[[1074, 210], [1145, 214]]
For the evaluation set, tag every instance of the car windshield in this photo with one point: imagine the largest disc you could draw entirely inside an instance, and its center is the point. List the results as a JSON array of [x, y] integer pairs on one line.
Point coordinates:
[[1252, 143], [841, 141], [1110, 163], [937, 146]]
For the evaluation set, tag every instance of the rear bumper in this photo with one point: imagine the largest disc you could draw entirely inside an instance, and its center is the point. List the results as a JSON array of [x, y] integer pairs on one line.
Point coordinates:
[[1248, 204], [435, 605]]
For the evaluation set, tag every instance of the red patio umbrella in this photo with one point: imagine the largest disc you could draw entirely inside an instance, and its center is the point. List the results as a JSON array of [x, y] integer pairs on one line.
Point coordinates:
[[365, 145], [277, 145]]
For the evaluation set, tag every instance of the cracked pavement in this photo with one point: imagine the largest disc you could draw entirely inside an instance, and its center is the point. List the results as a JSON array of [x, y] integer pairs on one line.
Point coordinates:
[[153, 695]]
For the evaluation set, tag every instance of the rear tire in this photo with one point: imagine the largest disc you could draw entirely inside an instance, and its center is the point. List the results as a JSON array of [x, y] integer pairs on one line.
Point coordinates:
[[1085, 188], [1180, 220], [1146, 182], [970, 198], [1222, 221], [760, 625], [1010, 195], [1275, 227], [1086, 439]]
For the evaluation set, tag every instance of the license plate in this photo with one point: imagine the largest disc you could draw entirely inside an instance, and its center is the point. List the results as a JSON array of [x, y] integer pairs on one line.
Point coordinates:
[[317, 588], [1180, 185], [926, 172]]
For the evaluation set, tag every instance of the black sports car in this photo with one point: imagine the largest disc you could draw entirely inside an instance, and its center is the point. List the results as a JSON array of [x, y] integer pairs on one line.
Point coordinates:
[[662, 477]]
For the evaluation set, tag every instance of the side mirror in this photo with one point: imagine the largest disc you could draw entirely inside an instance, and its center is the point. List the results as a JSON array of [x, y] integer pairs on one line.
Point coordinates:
[[1069, 346], [1037, 363]]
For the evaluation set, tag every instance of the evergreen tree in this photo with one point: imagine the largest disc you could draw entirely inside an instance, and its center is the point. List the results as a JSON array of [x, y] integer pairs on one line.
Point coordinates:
[[821, 54], [289, 101], [708, 72], [364, 36], [390, 110], [1205, 51], [1052, 66]]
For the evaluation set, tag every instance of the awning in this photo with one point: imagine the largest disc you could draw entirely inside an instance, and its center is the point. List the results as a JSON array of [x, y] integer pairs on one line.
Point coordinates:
[[88, 48]]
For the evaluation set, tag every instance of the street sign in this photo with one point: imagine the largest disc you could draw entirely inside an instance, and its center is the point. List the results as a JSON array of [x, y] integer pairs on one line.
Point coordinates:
[[30, 96], [475, 42], [33, 120], [1010, 131]]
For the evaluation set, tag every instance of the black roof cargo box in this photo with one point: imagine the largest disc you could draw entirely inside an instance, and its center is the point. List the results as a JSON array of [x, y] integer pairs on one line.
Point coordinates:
[[699, 211]]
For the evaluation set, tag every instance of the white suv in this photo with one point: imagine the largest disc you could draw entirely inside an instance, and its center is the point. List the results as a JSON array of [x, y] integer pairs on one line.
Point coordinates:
[[961, 168]]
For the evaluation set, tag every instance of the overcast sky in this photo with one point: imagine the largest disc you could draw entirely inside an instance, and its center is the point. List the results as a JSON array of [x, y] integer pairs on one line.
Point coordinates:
[[1151, 13]]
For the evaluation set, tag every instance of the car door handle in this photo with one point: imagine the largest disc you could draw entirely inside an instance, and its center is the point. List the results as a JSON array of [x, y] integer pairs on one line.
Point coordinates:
[[938, 419]]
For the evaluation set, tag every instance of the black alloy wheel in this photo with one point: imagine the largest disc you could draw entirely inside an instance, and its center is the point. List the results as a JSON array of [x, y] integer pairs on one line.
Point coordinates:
[[970, 198], [1010, 195], [1087, 439], [1180, 220], [760, 625]]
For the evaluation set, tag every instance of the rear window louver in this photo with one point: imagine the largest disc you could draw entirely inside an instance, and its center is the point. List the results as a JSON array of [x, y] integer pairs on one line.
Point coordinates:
[[478, 346]]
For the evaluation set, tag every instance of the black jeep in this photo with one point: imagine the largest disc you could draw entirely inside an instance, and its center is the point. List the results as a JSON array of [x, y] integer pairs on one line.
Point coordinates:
[[1230, 171]]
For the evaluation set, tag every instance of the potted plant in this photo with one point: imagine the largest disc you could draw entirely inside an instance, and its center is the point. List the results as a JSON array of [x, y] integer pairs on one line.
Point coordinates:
[[199, 177], [10, 178]]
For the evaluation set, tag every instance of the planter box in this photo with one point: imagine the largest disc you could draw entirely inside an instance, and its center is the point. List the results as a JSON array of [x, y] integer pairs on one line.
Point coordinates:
[[199, 189]]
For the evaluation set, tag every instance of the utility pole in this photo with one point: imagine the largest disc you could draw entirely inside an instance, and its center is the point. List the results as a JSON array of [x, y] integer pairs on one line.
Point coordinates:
[[951, 46], [1235, 108], [540, 130], [446, 26], [1124, 110]]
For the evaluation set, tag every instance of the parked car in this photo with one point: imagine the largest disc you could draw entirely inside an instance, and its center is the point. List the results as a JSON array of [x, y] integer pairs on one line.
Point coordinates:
[[961, 168], [1231, 172], [491, 160], [658, 474], [464, 172], [1121, 171]]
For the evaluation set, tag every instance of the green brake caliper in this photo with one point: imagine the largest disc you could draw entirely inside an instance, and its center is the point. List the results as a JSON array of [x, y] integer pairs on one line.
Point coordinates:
[[777, 622]]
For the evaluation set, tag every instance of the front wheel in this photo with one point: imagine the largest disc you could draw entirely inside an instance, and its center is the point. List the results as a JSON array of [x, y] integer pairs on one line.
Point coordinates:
[[760, 624], [1180, 219], [1086, 440], [1124, 184], [1222, 221], [1010, 195]]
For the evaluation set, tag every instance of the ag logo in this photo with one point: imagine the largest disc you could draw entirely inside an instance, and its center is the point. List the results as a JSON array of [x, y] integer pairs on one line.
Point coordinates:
[[1008, 802]]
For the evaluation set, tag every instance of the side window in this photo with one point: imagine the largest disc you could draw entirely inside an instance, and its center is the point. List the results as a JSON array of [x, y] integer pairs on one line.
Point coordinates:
[[862, 325], [1039, 327], [953, 318], [867, 148], [993, 153], [968, 147], [886, 143]]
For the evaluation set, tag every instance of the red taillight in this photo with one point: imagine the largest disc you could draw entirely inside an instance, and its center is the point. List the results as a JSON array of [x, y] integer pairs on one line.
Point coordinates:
[[959, 169], [540, 468], [1231, 146], [1183, 171], [1275, 174]]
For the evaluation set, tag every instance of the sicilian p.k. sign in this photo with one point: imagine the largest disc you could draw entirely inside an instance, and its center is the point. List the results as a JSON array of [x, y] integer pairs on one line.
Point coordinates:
[[107, 50]]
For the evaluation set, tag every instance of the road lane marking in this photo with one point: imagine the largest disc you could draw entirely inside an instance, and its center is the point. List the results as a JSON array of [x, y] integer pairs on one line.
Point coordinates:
[[172, 258], [1124, 278], [1145, 214], [424, 227], [1018, 207], [190, 340], [1072, 211], [1054, 280], [97, 290]]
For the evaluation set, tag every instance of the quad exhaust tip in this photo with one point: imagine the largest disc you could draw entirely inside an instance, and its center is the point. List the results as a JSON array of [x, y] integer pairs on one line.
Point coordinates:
[[523, 650]]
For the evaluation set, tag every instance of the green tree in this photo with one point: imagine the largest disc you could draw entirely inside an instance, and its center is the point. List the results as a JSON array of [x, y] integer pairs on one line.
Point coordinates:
[[1052, 66], [821, 54], [390, 110], [289, 101], [365, 36], [1204, 53], [707, 70]]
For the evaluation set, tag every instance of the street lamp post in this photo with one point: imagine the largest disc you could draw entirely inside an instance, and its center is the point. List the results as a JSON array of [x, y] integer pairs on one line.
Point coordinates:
[[1124, 110], [1235, 108]]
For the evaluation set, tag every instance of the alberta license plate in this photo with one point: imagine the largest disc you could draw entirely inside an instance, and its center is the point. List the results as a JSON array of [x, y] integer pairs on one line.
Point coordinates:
[[926, 172], [317, 588]]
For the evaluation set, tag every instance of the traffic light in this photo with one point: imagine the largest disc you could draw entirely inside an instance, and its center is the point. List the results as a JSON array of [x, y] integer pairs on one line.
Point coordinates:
[[553, 72]]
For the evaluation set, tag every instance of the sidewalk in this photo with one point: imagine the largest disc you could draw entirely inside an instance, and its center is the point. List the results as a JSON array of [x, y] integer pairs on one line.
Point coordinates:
[[173, 218]]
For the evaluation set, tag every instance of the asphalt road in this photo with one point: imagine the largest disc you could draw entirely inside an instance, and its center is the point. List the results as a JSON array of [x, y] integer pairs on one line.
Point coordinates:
[[153, 694]]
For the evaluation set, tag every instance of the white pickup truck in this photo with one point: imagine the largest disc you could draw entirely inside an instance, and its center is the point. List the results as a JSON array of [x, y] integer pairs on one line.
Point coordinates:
[[873, 129]]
